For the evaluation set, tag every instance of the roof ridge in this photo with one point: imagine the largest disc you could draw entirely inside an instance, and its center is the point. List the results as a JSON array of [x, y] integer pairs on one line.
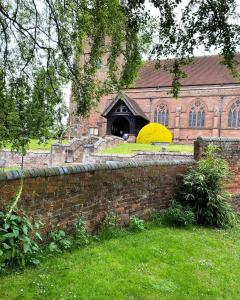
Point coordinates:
[[194, 57]]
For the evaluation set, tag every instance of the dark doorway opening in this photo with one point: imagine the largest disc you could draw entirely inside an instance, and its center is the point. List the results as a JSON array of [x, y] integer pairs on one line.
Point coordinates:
[[120, 126]]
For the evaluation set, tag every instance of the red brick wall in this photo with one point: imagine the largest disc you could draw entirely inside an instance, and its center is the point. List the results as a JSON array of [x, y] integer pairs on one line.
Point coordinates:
[[60, 195]]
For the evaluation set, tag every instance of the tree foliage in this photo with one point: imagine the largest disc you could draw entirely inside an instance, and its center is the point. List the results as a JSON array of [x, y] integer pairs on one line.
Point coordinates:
[[186, 26], [48, 37]]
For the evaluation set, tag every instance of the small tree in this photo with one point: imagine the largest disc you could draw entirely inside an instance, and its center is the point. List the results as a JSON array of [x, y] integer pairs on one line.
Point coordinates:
[[202, 190]]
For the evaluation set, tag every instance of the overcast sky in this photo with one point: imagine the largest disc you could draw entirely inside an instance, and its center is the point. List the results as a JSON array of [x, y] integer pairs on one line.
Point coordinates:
[[198, 52]]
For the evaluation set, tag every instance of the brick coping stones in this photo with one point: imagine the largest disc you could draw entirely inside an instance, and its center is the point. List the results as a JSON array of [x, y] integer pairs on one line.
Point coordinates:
[[61, 171]]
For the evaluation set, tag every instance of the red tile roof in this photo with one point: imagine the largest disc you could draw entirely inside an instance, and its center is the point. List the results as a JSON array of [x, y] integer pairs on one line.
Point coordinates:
[[205, 70]]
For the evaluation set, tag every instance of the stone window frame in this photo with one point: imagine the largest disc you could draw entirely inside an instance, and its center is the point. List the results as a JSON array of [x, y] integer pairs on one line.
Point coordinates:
[[161, 114], [234, 114], [196, 114]]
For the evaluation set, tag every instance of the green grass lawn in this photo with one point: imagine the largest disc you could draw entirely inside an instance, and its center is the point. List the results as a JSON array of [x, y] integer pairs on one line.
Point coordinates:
[[14, 168], [130, 148], [159, 263], [34, 144]]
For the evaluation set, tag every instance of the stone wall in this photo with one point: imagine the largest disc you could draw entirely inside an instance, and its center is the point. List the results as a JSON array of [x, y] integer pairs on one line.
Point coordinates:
[[58, 196], [77, 151], [141, 156], [33, 159]]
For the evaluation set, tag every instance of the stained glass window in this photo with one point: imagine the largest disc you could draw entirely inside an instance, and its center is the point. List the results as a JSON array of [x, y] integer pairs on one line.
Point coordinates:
[[196, 117], [234, 115], [161, 114]]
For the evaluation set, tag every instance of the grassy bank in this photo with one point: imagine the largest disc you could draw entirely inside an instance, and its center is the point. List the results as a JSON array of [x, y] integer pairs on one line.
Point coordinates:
[[159, 263], [34, 144], [130, 148]]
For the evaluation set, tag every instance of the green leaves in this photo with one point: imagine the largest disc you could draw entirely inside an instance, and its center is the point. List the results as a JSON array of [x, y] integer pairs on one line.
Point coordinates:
[[17, 243], [59, 242], [30, 109], [44, 47], [82, 237], [178, 215], [202, 190], [136, 224]]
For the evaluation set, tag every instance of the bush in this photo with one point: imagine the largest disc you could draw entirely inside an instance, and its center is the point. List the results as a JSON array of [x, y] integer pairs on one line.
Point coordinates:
[[178, 215], [156, 218], [82, 237], [136, 224], [59, 242], [109, 226], [154, 132], [18, 245], [202, 190]]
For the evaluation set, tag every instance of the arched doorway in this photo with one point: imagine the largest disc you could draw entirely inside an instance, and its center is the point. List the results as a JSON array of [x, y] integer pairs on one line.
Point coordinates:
[[120, 126]]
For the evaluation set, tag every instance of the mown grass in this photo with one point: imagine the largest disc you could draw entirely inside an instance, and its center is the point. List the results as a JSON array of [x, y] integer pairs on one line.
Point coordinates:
[[130, 148], [14, 168], [35, 145], [159, 263]]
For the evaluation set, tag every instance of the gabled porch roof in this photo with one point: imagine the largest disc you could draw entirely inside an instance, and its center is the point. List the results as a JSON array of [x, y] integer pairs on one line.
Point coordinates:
[[130, 103]]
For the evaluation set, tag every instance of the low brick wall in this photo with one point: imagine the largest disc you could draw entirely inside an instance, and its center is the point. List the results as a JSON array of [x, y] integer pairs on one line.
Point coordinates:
[[58, 196], [141, 156]]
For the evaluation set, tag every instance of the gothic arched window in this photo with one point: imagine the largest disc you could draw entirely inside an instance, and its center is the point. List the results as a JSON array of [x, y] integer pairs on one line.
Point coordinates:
[[196, 115], [161, 114], [234, 115]]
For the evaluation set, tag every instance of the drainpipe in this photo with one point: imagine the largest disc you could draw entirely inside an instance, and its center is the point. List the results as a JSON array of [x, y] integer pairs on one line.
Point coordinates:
[[220, 115]]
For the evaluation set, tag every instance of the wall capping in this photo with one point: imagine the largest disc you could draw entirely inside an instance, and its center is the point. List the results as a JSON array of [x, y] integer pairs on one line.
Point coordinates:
[[218, 139], [85, 168], [139, 153]]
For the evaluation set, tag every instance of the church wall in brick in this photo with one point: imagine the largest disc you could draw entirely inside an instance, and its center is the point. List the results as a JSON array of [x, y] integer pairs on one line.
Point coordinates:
[[216, 101]]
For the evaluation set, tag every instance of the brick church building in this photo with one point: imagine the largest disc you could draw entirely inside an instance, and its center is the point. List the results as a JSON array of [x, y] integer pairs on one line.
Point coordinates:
[[208, 104]]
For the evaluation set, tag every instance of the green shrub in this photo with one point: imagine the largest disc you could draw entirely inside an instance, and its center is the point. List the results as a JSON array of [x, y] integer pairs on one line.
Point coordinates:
[[136, 224], [109, 227], [82, 237], [202, 190], [18, 240], [59, 242], [178, 215], [156, 218]]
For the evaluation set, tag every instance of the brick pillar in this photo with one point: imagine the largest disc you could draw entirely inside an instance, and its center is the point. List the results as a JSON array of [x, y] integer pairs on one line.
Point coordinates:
[[215, 122], [176, 131], [198, 148]]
